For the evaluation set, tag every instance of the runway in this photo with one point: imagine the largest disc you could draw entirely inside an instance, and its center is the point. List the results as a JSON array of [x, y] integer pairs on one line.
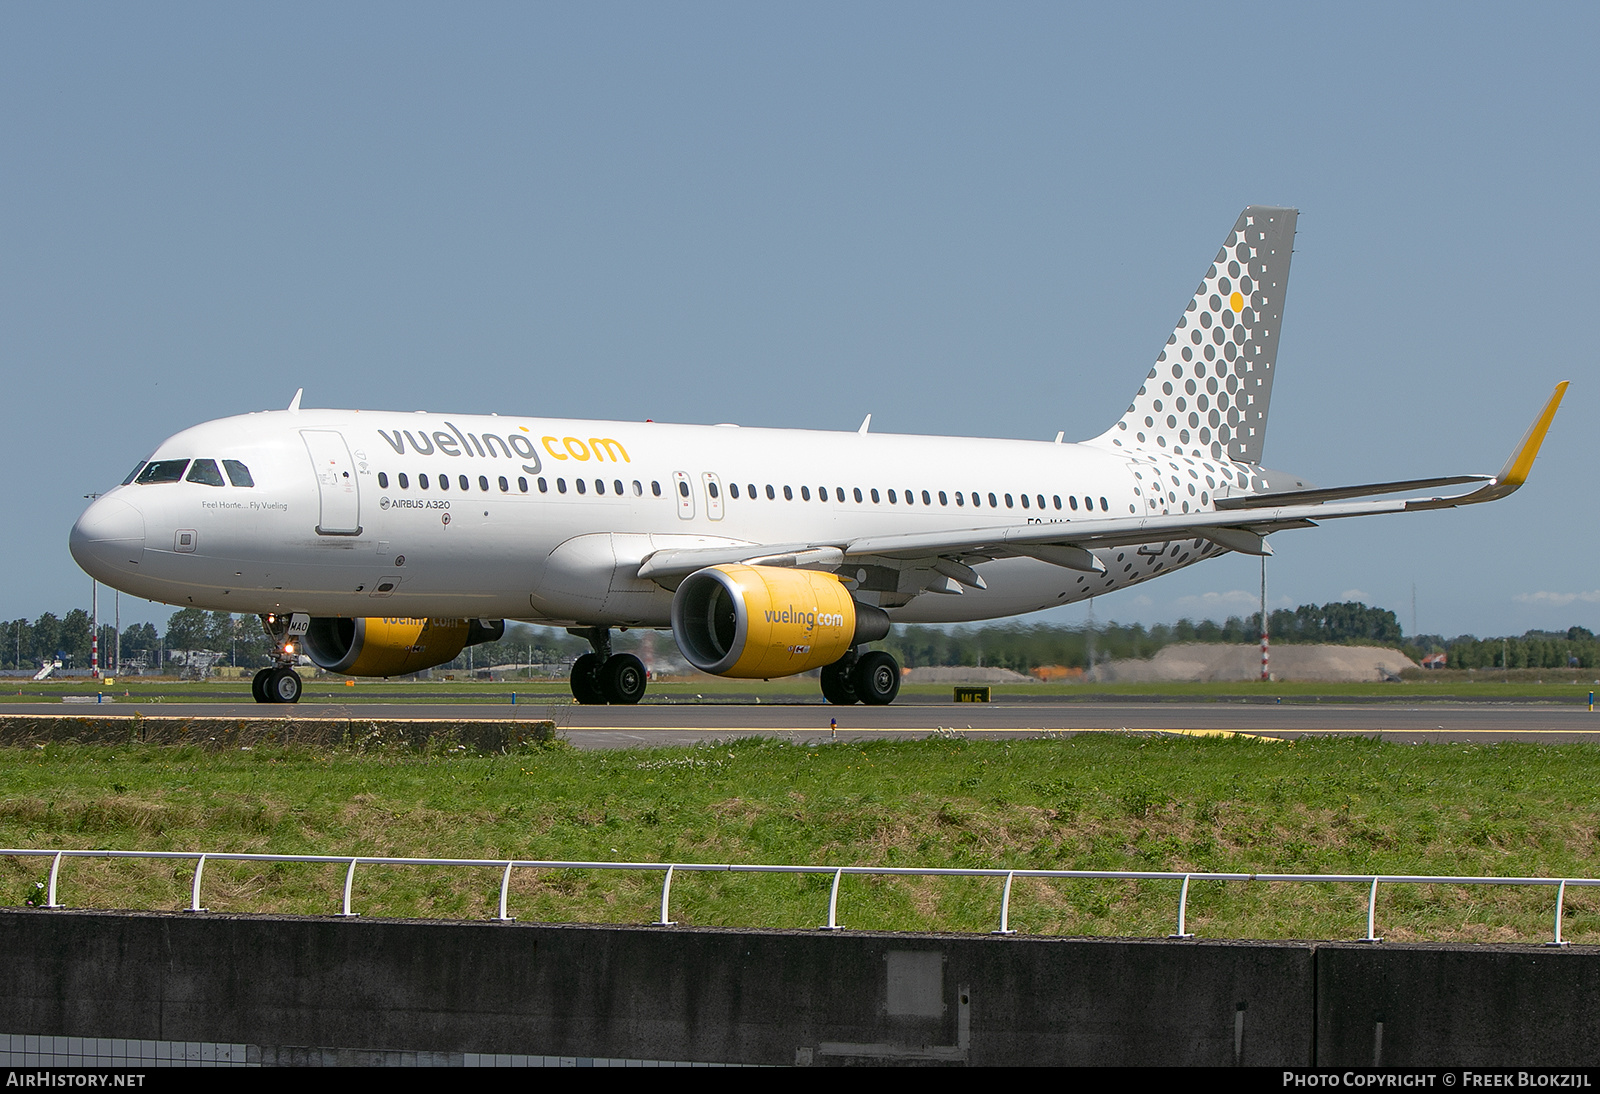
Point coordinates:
[[656, 724]]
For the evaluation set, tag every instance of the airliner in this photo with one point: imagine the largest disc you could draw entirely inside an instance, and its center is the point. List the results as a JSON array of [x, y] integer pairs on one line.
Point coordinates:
[[380, 544]]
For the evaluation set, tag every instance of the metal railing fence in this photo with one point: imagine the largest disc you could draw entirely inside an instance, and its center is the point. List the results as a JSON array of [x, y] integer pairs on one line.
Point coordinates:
[[668, 869]]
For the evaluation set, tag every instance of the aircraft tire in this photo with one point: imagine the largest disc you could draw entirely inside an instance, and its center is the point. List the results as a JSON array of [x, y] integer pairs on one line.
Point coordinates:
[[623, 679], [585, 680], [258, 686], [877, 678], [837, 687], [283, 686]]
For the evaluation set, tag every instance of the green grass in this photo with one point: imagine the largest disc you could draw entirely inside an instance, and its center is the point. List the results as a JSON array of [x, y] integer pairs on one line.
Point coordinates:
[[1086, 802]]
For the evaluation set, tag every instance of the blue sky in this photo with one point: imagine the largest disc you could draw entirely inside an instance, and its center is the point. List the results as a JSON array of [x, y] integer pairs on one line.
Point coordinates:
[[967, 219]]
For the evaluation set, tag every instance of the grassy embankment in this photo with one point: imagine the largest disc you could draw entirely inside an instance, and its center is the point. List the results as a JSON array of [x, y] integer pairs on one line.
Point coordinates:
[[1088, 802]]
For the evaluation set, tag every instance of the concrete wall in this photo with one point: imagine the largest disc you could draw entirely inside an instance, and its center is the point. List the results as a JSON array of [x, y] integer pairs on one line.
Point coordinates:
[[1412, 1006], [648, 993], [780, 997]]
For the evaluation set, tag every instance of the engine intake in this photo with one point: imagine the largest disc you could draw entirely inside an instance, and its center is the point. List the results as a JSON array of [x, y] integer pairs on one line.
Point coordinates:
[[759, 622], [392, 646]]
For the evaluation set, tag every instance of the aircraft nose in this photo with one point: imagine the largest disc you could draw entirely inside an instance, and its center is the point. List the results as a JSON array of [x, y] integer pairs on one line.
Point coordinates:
[[108, 539]]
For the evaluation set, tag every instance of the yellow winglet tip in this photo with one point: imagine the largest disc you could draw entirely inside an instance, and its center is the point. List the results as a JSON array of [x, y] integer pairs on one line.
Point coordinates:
[[1515, 472]]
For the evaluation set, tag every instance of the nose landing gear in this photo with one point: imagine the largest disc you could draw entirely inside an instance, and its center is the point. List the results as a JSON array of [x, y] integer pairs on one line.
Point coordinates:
[[606, 677], [277, 683]]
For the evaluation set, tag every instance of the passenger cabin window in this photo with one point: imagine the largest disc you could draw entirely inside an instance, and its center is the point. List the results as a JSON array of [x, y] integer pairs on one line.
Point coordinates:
[[422, 481], [162, 471], [805, 493], [772, 495], [483, 483], [788, 494], [383, 480], [444, 482], [655, 488], [461, 480], [238, 473], [205, 473], [583, 487], [405, 483]]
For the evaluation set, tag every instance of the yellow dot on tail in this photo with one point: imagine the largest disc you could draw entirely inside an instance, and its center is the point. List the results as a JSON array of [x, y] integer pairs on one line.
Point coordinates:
[[1236, 302]]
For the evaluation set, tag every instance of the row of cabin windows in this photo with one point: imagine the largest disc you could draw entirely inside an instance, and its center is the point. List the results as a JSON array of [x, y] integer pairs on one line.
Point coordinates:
[[1028, 501], [403, 481], [617, 488], [203, 472]]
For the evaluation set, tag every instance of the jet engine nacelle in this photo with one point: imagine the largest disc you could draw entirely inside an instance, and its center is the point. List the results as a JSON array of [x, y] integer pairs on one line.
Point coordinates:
[[392, 646], [759, 622]]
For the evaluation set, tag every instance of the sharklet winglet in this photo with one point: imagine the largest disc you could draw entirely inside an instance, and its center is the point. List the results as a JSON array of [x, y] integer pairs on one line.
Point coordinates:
[[1515, 472], [294, 404]]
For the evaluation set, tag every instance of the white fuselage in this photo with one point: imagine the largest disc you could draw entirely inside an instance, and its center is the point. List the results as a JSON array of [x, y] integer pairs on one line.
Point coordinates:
[[548, 520]]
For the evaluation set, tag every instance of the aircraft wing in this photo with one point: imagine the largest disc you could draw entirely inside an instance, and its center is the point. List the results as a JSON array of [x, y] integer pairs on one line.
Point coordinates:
[[1240, 524]]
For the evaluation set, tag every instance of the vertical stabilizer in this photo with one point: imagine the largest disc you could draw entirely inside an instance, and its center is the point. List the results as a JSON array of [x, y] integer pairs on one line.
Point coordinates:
[[1209, 391]]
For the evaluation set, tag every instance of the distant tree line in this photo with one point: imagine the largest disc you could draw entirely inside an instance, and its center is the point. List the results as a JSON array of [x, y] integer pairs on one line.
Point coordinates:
[[194, 639], [221, 637]]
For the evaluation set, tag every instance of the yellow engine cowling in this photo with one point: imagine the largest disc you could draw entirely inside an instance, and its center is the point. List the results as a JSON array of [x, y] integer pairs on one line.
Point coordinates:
[[392, 646], [759, 622]]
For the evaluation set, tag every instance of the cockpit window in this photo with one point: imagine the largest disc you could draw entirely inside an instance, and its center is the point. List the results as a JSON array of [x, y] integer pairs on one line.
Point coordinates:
[[133, 474], [162, 471], [205, 473], [238, 473]]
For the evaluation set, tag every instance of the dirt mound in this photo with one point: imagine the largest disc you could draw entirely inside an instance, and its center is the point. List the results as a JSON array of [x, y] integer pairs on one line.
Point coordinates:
[[965, 674], [1195, 662]]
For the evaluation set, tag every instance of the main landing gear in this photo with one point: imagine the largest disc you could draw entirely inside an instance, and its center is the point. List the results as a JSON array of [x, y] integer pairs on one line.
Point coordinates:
[[603, 676], [872, 678]]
